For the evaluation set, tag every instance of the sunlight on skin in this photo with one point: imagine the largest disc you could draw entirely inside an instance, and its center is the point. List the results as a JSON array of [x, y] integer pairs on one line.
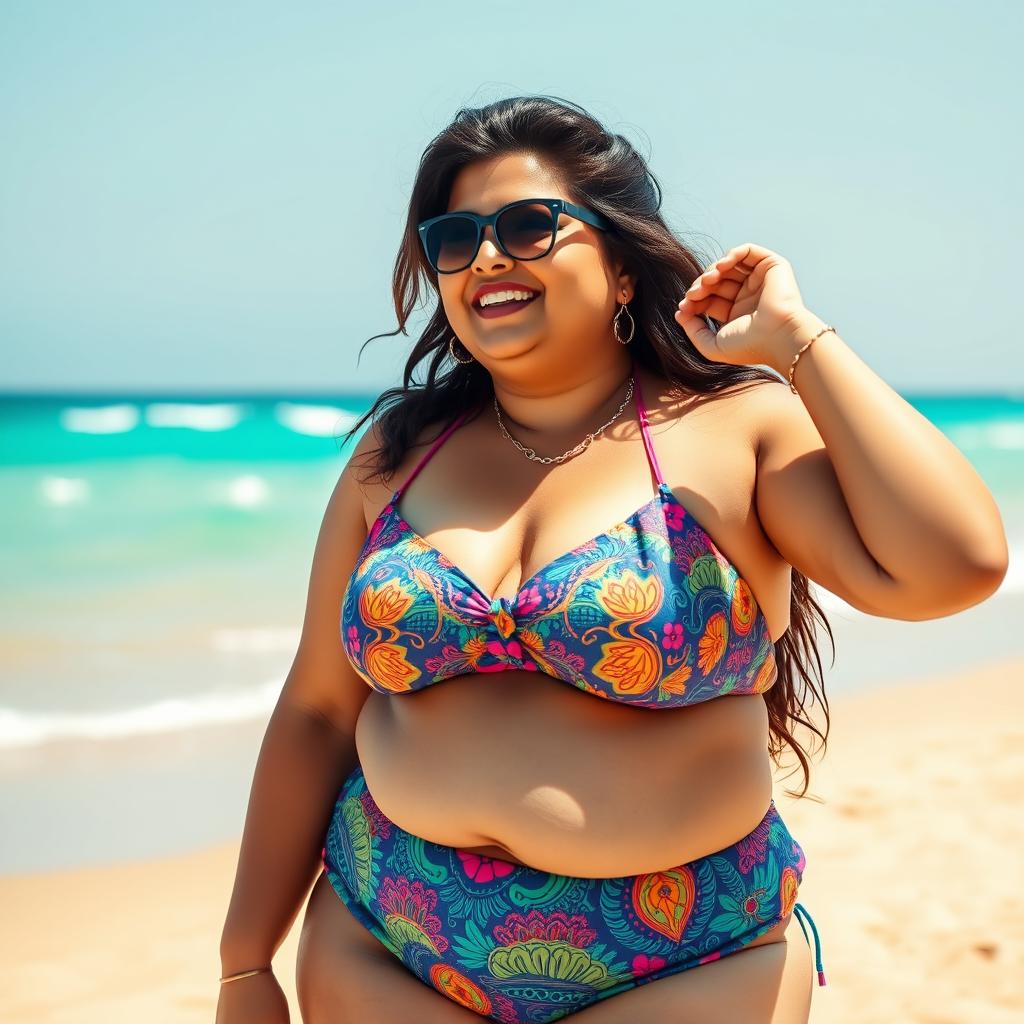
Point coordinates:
[[556, 805]]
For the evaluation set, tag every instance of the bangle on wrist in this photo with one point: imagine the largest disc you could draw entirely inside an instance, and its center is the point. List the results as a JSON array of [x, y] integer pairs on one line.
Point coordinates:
[[792, 366], [244, 974]]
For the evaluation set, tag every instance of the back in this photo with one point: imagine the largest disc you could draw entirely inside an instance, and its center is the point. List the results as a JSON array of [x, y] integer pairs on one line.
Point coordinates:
[[321, 679]]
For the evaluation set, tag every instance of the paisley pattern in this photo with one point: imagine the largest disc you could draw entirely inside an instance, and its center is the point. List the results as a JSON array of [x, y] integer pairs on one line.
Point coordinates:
[[649, 613], [516, 944]]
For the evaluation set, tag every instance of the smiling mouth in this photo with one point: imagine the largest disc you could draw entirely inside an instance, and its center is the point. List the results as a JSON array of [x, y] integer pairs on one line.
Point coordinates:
[[502, 308]]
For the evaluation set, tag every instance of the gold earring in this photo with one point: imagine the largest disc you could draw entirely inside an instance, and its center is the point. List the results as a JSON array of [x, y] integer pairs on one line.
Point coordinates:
[[454, 356], [615, 324]]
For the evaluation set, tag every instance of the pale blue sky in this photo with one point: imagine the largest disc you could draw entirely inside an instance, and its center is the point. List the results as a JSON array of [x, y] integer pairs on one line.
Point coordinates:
[[208, 197]]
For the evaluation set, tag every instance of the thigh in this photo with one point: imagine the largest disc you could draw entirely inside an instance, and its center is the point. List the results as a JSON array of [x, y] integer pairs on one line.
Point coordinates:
[[768, 982], [343, 974]]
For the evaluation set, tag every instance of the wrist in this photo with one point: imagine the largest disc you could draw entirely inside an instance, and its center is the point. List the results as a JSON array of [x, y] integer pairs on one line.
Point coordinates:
[[799, 329], [230, 974], [237, 957]]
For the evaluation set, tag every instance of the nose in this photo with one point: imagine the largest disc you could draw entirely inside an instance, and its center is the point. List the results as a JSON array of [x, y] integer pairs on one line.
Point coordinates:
[[492, 251]]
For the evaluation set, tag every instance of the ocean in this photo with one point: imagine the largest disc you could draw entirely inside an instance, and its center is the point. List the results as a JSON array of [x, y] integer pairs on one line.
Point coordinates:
[[156, 553]]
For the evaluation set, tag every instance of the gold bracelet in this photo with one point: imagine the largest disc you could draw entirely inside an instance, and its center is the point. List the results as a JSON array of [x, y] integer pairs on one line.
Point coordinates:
[[801, 352], [244, 974]]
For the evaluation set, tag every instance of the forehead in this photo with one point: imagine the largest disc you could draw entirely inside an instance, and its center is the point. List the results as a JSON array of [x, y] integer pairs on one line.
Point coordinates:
[[485, 186]]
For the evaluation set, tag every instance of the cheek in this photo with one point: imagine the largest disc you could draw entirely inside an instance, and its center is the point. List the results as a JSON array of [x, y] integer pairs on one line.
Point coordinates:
[[579, 282], [455, 309], [578, 305]]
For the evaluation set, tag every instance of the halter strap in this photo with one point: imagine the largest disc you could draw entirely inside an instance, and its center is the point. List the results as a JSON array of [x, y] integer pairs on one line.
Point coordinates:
[[648, 444], [452, 427], [433, 448]]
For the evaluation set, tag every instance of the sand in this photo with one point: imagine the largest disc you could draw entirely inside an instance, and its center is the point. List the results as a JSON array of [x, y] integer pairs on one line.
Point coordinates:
[[913, 879]]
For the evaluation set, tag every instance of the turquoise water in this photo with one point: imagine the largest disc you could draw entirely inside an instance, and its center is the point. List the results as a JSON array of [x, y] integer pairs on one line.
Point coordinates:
[[156, 550]]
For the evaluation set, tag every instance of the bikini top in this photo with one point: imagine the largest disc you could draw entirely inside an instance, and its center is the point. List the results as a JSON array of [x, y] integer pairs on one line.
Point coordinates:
[[649, 613]]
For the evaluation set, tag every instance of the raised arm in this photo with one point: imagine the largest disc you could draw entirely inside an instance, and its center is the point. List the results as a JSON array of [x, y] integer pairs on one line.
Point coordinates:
[[855, 488], [864, 495]]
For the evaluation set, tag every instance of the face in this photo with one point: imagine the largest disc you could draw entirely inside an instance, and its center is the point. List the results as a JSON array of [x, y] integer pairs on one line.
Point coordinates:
[[570, 322]]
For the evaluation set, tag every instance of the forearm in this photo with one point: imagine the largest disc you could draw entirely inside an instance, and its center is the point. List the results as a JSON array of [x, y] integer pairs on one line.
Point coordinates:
[[919, 506], [302, 763]]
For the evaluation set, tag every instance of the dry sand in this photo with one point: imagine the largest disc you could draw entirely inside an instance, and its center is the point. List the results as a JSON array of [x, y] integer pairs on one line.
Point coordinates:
[[913, 879]]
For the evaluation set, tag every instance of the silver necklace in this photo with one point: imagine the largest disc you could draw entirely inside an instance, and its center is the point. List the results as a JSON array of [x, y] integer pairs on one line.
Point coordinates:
[[530, 453]]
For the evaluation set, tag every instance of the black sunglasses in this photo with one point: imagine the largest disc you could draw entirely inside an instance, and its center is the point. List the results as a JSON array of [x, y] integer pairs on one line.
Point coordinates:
[[523, 230]]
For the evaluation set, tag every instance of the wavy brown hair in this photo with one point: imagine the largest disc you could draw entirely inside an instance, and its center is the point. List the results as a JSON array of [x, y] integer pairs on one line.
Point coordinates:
[[603, 172]]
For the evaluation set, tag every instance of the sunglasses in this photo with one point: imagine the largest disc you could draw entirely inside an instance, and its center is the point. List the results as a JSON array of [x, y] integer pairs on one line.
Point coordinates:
[[523, 230]]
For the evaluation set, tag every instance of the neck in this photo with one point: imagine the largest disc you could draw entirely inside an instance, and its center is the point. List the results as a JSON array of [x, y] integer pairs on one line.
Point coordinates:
[[566, 410]]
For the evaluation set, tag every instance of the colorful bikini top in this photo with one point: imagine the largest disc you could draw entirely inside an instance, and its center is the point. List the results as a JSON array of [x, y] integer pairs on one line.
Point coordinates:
[[649, 613]]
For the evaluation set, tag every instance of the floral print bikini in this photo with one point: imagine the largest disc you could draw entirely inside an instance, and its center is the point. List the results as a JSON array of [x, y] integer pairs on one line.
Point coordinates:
[[649, 613]]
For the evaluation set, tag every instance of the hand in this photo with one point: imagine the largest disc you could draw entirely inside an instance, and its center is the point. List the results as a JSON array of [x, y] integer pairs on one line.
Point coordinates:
[[753, 293], [258, 999]]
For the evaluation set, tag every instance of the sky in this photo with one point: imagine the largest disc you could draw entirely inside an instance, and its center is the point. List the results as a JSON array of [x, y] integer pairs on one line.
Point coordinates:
[[208, 198]]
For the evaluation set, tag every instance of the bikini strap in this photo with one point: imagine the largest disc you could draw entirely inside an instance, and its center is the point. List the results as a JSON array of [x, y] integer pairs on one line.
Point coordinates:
[[433, 448], [798, 909], [648, 444]]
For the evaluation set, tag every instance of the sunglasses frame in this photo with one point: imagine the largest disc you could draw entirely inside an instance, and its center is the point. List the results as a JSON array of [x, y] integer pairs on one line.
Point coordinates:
[[557, 206]]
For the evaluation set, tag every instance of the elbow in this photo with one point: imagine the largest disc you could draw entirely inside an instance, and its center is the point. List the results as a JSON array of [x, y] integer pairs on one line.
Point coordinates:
[[951, 592], [979, 581], [988, 564], [987, 556], [987, 578]]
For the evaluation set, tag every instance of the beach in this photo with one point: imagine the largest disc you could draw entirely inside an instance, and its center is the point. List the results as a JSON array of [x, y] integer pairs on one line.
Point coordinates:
[[913, 860], [158, 558]]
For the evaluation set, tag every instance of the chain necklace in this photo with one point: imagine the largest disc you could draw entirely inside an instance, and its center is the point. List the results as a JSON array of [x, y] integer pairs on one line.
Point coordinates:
[[530, 453]]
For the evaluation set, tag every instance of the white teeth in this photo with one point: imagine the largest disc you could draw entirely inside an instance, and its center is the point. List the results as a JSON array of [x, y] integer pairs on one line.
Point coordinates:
[[491, 298]]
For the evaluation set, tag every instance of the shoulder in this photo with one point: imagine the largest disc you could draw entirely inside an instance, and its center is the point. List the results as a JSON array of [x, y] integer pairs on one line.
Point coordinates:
[[360, 475], [361, 468], [748, 407], [778, 421]]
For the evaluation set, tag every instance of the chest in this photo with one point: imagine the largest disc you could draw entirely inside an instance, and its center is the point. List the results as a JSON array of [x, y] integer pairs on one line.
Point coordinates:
[[505, 522]]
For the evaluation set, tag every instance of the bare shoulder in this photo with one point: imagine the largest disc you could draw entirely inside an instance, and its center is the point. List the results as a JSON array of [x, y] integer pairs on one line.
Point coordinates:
[[780, 425], [321, 680], [748, 405], [802, 508], [377, 489], [361, 473]]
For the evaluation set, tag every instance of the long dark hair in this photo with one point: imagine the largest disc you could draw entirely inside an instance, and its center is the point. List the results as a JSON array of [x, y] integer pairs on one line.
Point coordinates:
[[606, 174]]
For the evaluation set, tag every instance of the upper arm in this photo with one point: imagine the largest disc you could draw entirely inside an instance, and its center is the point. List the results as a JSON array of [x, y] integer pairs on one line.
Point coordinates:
[[802, 508], [321, 679]]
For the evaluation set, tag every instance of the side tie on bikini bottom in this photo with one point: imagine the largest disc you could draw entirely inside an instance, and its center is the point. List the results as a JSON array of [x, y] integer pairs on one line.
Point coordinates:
[[799, 909]]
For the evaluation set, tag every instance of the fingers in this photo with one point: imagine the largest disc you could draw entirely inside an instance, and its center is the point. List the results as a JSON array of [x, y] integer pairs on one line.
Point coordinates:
[[715, 281], [749, 253], [744, 260], [716, 306], [713, 295], [747, 263], [697, 331]]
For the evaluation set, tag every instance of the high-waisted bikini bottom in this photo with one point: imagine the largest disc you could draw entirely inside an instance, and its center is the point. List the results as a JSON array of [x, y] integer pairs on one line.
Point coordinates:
[[516, 944]]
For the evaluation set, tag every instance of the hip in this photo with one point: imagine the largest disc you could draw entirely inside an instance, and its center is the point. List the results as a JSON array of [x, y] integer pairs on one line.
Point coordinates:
[[499, 933]]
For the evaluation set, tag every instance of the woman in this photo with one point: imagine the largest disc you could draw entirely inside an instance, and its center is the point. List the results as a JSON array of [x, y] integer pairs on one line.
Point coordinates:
[[515, 770]]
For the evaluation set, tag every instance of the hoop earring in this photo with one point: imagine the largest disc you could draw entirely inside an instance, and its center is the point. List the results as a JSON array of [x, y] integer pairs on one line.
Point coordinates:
[[632, 325], [454, 356]]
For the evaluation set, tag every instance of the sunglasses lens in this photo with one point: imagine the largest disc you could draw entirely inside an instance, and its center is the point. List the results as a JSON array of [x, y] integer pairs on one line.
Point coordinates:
[[527, 231], [449, 243]]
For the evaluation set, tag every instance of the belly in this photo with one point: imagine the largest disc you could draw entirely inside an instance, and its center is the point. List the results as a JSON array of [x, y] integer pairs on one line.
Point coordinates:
[[520, 766]]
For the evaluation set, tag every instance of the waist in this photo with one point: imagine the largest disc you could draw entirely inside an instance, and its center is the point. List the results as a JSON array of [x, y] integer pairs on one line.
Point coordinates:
[[555, 778]]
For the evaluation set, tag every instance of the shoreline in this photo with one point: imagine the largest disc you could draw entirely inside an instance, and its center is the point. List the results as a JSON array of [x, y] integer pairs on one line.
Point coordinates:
[[911, 827], [171, 792]]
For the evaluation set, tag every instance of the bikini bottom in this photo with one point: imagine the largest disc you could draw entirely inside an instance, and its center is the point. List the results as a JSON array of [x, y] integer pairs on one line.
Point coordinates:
[[517, 944]]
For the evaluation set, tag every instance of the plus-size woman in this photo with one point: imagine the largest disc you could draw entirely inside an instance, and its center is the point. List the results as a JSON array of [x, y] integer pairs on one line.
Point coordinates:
[[551, 645]]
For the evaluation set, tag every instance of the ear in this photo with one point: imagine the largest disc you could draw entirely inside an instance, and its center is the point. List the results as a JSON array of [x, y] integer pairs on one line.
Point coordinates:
[[626, 287]]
